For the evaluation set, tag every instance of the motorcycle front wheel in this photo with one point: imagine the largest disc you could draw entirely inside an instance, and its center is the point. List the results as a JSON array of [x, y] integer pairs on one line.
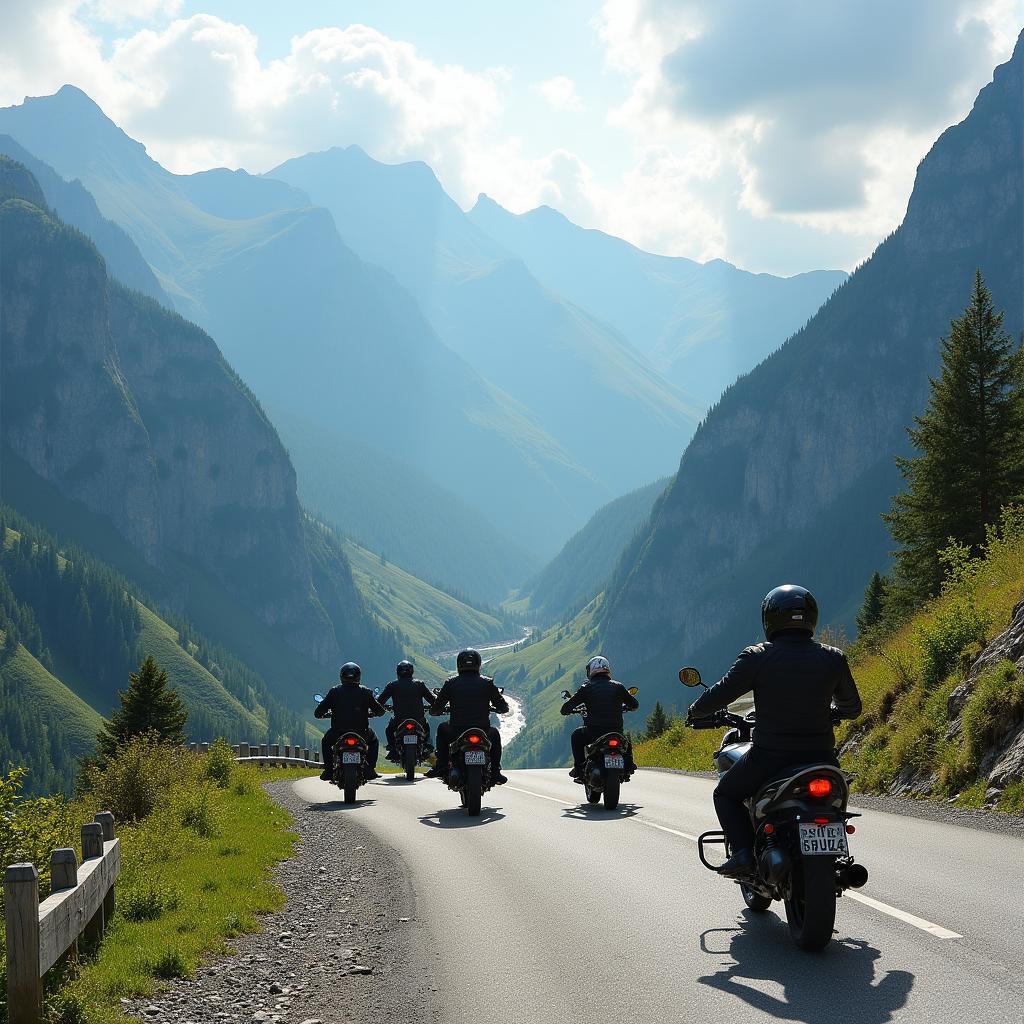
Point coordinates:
[[811, 909], [754, 900], [593, 795]]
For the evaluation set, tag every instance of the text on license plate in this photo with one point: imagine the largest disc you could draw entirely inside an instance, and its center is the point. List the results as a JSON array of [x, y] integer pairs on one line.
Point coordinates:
[[823, 840], [410, 739], [353, 757], [476, 757], [614, 761]]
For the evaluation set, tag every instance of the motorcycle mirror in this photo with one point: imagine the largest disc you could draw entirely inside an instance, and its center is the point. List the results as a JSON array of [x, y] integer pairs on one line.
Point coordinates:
[[376, 691], [501, 689], [566, 695], [318, 697], [633, 691], [690, 677]]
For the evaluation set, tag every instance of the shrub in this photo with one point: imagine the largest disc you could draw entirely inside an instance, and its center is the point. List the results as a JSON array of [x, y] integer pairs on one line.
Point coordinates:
[[245, 780], [944, 640], [146, 901], [169, 965], [195, 810], [219, 762]]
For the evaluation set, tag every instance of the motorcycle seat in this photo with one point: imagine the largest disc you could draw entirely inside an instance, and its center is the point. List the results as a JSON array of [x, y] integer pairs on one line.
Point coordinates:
[[767, 793]]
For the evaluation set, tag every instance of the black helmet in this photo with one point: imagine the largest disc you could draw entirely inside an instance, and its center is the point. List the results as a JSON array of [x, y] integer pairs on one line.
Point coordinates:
[[350, 672], [469, 660], [789, 607], [405, 668]]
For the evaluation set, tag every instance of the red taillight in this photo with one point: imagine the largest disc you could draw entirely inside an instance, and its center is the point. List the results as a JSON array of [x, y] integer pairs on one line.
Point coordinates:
[[819, 787], [821, 821], [351, 740], [474, 738], [410, 726], [850, 830], [769, 829], [613, 742]]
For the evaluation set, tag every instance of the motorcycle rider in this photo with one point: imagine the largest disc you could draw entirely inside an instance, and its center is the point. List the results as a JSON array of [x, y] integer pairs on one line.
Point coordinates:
[[350, 707], [795, 681], [605, 700], [471, 697], [407, 695]]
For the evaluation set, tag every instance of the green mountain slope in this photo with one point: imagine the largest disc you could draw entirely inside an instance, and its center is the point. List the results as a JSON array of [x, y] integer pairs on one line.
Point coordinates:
[[580, 570], [585, 385], [701, 325]]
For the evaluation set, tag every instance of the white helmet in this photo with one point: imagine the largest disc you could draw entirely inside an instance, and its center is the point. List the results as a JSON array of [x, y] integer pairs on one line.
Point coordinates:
[[598, 666]]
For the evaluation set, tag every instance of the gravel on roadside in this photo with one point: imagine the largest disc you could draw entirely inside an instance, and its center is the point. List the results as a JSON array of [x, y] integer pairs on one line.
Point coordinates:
[[347, 947], [931, 810]]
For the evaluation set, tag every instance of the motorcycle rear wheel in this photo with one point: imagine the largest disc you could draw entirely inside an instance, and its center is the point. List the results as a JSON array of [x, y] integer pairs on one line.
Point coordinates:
[[811, 909], [754, 900], [410, 762], [611, 789], [350, 783], [473, 790]]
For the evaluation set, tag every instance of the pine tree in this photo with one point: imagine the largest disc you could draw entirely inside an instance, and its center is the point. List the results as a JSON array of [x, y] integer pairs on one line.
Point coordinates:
[[874, 604], [657, 722], [970, 441], [148, 705]]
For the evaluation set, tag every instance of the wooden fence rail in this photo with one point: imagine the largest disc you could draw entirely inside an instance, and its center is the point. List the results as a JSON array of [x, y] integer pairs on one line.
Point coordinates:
[[272, 754], [81, 901]]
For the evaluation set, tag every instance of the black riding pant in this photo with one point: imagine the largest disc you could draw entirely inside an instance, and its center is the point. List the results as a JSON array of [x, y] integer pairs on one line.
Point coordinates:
[[331, 736], [396, 722], [755, 768], [587, 734], [445, 735]]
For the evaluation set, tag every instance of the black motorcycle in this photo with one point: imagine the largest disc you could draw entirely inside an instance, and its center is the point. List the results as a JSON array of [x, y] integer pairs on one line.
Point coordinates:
[[351, 762], [410, 746], [604, 765], [801, 825]]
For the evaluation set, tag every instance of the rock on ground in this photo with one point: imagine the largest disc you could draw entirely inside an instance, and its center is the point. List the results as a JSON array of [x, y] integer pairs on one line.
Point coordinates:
[[347, 948]]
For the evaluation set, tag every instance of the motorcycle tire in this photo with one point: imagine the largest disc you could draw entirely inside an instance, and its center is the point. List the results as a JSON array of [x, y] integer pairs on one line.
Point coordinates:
[[473, 790], [410, 762], [611, 789], [350, 783], [754, 900], [811, 909], [593, 795]]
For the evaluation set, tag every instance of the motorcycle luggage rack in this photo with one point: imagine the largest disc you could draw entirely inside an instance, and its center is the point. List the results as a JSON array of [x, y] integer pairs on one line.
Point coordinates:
[[712, 838]]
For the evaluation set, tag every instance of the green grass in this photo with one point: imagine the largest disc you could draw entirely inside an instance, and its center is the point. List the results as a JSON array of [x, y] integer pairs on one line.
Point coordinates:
[[184, 893], [429, 618]]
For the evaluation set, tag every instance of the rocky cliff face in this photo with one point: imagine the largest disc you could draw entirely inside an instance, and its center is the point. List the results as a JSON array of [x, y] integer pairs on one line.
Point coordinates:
[[132, 411], [786, 478]]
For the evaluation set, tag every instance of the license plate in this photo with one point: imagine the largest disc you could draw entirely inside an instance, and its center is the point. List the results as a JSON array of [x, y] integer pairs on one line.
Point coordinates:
[[614, 761], [353, 757], [410, 740], [823, 840], [476, 757]]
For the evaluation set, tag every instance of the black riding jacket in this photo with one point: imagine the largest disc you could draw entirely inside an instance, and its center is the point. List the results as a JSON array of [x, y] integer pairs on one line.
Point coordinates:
[[407, 696], [605, 700], [350, 707], [471, 698], [795, 680]]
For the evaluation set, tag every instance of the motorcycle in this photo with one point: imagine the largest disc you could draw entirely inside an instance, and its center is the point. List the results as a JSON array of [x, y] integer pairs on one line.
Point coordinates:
[[351, 763], [801, 824], [604, 765], [410, 746]]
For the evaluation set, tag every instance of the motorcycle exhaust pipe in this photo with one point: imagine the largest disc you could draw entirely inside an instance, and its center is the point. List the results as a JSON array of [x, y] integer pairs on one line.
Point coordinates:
[[853, 876], [775, 865]]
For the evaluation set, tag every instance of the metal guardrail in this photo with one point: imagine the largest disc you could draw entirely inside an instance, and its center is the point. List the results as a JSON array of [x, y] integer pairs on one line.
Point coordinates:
[[81, 901], [271, 754]]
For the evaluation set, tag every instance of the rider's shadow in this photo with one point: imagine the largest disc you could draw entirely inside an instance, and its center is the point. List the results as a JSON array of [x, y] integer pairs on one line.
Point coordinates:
[[595, 812], [456, 817], [838, 984], [340, 805]]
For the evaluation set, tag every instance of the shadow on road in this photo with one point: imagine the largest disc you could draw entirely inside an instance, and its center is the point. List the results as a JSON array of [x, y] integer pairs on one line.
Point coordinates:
[[596, 812], [340, 805], [838, 984], [456, 817]]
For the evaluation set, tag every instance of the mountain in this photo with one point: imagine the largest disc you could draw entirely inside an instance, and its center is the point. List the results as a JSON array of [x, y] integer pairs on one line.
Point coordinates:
[[786, 478], [580, 570], [393, 507], [309, 326], [702, 325], [126, 433], [586, 386]]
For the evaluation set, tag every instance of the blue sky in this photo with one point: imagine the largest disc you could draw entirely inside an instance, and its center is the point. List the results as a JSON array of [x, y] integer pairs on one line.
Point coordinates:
[[782, 137]]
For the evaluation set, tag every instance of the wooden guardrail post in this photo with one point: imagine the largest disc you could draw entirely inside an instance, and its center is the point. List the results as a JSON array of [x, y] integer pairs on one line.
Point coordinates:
[[105, 819], [92, 846], [204, 748], [275, 750], [21, 913], [263, 750], [243, 749], [64, 875]]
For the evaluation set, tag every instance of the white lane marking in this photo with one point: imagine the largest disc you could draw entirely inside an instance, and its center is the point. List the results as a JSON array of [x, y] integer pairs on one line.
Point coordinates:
[[901, 915]]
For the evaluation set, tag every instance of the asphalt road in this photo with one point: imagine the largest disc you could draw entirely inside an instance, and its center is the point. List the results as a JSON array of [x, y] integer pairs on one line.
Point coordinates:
[[543, 910]]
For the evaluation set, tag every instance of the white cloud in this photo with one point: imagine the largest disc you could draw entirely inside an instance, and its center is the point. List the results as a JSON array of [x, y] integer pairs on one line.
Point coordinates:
[[560, 93]]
